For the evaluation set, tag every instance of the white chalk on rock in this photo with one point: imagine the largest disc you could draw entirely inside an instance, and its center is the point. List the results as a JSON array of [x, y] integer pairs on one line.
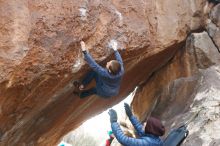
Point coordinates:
[[119, 14], [77, 65], [83, 13]]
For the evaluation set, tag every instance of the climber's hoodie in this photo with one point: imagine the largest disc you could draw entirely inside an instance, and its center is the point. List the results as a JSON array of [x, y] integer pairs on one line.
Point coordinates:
[[143, 140], [107, 84]]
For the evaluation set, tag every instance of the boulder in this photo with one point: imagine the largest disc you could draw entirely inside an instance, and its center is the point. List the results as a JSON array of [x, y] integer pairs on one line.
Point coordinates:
[[40, 57]]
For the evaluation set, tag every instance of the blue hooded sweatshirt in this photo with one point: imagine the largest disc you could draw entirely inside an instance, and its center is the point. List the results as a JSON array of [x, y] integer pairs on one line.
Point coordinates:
[[107, 84], [144, 140]]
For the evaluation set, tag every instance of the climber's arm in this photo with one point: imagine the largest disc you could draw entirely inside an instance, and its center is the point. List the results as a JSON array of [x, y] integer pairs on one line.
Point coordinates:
[[96, 67]]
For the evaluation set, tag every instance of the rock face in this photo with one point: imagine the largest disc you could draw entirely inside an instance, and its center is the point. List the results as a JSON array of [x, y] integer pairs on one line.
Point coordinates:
[[213, 26], [188, 85], [40, 57]]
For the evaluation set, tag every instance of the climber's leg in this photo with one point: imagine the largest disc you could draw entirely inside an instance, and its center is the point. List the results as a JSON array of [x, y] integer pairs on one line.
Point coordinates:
[[89, 77], [88, 92]]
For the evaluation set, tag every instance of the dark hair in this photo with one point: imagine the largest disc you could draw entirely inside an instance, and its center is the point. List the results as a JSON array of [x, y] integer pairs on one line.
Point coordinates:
[[154, 127], [115, 67]]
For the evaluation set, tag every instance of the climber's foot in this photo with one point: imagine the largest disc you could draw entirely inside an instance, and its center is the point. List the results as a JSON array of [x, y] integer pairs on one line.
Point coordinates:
[[81, 87], [76, 84]]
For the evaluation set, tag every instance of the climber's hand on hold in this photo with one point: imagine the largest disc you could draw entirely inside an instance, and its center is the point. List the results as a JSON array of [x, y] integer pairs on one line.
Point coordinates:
[[114, 45], [83, 46]]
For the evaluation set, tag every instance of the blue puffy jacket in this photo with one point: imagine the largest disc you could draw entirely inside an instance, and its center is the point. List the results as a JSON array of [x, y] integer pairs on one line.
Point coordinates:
[[107, 84], [144, 140]]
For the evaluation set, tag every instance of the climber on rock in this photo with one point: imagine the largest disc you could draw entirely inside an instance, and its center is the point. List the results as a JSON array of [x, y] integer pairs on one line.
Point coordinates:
[[148, 135], [107, 79]]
